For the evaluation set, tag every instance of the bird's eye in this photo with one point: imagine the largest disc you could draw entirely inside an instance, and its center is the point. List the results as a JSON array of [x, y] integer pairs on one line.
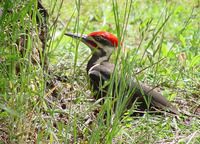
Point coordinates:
[[98, 38]]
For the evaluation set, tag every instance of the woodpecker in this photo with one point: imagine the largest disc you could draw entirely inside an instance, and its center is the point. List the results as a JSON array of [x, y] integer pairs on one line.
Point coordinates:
[[99, 70]]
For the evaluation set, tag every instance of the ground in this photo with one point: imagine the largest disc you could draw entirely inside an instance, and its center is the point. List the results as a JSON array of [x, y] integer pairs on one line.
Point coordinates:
[[50, 101]]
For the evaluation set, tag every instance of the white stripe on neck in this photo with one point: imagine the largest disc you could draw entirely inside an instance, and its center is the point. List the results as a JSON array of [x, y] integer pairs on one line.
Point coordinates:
[[90, 70]]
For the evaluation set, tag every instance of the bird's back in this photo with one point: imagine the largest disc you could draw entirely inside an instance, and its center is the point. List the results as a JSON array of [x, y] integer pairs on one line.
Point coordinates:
[[144, 94]]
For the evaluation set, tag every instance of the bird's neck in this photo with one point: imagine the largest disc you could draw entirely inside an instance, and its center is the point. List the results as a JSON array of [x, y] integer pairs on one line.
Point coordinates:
[[97, 59]]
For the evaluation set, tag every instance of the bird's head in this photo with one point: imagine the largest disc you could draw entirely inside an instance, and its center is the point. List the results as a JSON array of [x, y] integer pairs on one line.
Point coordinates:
[[104, 43]]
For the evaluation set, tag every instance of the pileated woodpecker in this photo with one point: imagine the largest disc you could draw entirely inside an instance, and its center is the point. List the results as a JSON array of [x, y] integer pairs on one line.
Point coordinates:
[[100, 70]]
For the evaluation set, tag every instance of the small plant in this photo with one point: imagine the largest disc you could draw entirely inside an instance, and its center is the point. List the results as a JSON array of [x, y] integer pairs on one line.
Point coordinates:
[[44, 90]]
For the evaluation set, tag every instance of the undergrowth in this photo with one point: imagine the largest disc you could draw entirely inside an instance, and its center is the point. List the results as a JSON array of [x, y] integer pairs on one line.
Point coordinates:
[[160, 45]]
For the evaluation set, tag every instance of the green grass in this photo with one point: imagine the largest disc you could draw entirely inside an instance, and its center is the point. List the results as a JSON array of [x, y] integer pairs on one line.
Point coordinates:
[[154, 35]]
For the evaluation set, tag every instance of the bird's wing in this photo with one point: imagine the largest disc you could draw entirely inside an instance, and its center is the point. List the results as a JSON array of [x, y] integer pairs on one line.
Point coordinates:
[[101, 72], [157, 99]]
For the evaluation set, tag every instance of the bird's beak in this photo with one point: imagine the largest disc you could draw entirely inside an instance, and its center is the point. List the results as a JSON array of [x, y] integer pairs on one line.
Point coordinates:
[[83, 38]]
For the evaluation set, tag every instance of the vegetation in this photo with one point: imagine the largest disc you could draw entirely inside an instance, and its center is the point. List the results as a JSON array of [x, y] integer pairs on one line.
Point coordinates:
[[161, 44]]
